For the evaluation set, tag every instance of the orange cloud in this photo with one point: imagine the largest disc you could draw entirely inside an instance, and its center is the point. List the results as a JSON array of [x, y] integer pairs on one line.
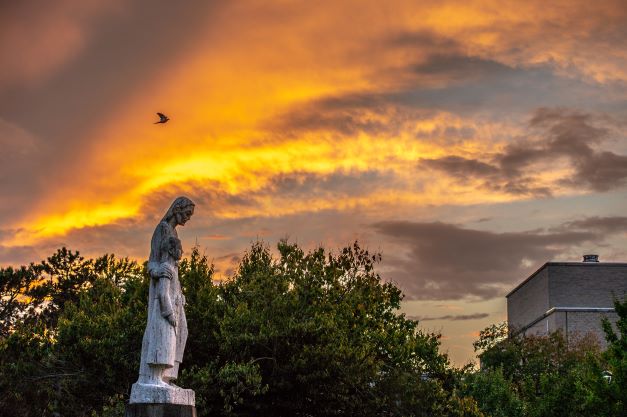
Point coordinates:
[[290, 88]]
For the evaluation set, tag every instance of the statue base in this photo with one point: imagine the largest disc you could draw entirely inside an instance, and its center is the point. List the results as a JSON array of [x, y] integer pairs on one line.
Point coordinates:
[[161, 394], [160, 410]]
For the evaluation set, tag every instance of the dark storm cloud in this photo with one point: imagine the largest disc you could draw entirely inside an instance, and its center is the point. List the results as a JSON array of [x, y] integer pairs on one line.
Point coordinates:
[[469, 85], [337, 184], [463, 168], [442, 62], [447, 261], [18, 255], [292, 186], [452, 82], [564, 134], [609, 225], [573, 135], [457, 67], [475, 316], [493, 177], [600, 171], [451, 132], [210, 196], [349, 115], [347, 122], [420, 39], [206, 195]]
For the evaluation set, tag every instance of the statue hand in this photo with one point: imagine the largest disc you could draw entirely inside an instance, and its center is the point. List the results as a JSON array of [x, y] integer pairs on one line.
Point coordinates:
[[171, 320]]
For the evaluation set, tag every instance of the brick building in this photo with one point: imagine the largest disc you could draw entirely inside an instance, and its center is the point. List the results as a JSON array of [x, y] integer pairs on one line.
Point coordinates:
[[567, 296]]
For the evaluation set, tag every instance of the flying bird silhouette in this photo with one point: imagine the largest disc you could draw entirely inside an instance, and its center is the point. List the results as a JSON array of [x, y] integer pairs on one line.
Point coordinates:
[[162, 118]]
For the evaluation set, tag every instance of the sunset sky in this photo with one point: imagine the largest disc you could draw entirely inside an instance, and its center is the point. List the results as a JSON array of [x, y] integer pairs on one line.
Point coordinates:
[[468, 141]]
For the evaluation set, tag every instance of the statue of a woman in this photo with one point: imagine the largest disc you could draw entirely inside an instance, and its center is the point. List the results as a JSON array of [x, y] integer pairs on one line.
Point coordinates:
[[166, 329]]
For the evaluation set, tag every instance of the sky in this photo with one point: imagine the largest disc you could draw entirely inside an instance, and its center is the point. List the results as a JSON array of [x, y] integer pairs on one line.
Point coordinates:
[[467, 141]]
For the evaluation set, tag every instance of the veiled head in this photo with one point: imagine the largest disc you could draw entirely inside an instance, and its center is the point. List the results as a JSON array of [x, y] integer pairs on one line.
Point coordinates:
[[181, 211]]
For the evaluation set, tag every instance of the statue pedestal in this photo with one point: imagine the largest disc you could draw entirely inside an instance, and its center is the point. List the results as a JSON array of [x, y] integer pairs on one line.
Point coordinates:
[[160, 401], [160, 410], [161, 394]]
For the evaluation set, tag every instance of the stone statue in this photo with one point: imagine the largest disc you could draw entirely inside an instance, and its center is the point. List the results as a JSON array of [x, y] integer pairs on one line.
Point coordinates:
[[166, 330]]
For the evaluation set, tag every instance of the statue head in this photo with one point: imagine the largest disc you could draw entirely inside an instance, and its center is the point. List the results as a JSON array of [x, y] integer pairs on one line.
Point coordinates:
[[180, 211]]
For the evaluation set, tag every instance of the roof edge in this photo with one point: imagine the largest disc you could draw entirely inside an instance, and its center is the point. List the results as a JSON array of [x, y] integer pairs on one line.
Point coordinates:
[[551, 263], [528, 279]]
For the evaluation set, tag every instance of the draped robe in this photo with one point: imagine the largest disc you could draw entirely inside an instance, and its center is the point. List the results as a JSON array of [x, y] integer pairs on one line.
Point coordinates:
[[163, 344]]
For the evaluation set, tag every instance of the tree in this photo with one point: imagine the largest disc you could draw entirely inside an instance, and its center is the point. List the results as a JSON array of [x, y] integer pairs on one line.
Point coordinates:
[[614, 391], [538, 375], [315, 334], [299, 334], [495, 394], [73, 340], [497, 352], [15, 284]]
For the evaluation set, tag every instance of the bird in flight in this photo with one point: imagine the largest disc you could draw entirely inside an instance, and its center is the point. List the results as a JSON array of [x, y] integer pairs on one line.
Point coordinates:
[[162, 118]]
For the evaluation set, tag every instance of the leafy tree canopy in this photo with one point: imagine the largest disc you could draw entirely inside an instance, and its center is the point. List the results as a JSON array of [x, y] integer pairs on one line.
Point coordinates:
[[309, 334], [550, 376]]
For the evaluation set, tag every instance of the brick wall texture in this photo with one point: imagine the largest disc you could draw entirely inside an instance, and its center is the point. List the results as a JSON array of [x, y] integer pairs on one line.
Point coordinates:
[[567, 287]]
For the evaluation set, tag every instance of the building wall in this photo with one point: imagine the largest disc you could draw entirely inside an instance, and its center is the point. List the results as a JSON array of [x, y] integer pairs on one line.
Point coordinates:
[[557, 321], [583, 323], [573, 324], [538, 329], [586, 284], [567, 285], [529, 302]]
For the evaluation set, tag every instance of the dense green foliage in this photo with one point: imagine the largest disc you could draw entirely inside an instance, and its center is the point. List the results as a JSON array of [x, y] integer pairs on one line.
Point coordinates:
[[70, 339], [614, 395], [550, 376], [296, 334], [309, 334]]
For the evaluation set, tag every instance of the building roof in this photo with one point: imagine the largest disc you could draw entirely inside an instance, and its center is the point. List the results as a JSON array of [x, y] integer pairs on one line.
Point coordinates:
[[585, 264]]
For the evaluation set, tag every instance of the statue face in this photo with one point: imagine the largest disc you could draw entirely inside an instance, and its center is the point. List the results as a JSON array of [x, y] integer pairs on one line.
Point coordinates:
[[182, 216]]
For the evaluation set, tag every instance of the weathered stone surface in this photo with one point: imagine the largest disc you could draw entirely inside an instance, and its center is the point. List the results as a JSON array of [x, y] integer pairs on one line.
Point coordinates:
[[166, 329], [146, 394], [160, 410]]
